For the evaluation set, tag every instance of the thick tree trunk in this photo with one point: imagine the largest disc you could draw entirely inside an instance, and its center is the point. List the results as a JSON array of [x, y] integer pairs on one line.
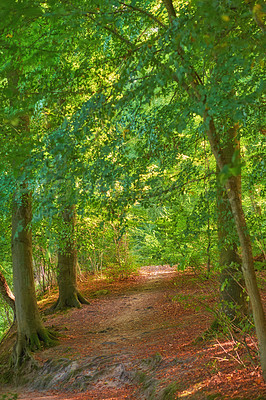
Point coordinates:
[[6, 293], [234, 197], [69, 295], [31, 332]]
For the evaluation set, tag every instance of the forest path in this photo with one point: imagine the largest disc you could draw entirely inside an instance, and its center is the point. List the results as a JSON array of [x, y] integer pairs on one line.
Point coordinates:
[[134, 342]]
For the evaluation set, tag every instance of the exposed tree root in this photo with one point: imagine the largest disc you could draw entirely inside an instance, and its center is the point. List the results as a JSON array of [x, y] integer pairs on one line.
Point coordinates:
[[26, 344], [73, 301], [82, 299]]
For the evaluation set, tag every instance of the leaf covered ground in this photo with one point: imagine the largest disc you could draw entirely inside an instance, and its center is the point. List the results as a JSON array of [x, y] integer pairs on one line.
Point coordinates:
[[141, 338]]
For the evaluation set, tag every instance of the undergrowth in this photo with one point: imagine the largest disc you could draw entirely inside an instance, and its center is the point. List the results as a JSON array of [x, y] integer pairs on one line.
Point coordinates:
[[238, 333], [9, 396]]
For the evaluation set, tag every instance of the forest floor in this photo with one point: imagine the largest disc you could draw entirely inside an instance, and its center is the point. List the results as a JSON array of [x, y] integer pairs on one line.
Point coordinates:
[[135, 342]]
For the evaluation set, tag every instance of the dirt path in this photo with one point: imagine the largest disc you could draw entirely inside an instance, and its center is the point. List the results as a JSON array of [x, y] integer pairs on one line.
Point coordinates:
[[134, 342]]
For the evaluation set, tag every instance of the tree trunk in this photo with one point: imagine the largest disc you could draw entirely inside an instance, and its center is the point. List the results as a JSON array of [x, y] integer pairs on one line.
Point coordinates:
[[69, 295], [232, 188], [31, 332], [232, 292], [233, 299]]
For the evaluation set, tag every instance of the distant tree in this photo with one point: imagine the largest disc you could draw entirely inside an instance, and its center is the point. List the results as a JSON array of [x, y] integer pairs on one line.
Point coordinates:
[[69, 295]]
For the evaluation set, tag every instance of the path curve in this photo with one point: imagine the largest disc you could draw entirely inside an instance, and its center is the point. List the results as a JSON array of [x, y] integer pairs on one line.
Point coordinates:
[[134, 342]]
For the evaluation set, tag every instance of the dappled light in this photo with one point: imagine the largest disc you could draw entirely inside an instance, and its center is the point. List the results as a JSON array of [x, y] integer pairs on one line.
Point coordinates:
[[133, 336], [157, 270], [132, 200]]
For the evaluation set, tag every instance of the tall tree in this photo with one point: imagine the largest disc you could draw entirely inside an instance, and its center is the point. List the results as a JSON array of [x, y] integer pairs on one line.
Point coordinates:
[[31, 333], [233, 192], [30, 329]]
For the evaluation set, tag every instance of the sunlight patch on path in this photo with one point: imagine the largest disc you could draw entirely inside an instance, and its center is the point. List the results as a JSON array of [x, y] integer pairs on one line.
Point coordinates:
[[156, 270]]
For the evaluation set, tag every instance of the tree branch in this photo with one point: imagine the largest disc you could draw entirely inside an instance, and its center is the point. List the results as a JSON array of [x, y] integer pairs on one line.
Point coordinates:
[[145, 13], [122, 38], [170, 9], [257, 13]]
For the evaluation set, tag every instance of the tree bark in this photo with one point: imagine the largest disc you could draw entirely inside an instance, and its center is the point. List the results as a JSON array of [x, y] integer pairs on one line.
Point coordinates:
[[69, 295], [234, 303], [31, 333], [170, 9], [232, 292], [7, 293]]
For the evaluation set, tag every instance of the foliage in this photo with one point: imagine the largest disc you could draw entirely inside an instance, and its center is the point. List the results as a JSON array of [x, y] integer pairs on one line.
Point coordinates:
[[104, 247], [9, 396], [106, 106]]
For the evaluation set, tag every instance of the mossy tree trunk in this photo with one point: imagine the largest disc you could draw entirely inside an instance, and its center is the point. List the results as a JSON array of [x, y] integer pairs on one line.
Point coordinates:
[[31, 333], [69, 295]]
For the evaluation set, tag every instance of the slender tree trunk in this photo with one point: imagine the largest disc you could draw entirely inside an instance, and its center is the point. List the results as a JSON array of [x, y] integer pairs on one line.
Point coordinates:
[[6, 293], [31, 333], [232, 292], [234, 303], [232, 188], [69, 295]]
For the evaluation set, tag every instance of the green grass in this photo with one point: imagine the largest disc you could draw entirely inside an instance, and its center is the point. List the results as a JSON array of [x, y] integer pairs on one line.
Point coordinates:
[[9, 396]]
